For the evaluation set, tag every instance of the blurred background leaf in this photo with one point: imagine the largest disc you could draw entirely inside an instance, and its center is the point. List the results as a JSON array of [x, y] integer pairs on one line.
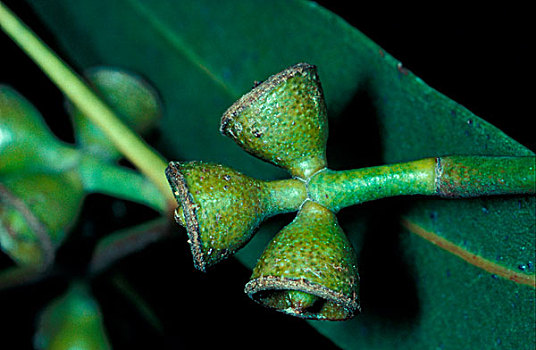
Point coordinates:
[[202, 55]]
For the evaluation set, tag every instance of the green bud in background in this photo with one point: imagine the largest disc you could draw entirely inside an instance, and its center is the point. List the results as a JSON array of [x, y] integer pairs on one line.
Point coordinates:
[[283, 121], [135, 101], [36, 212], [26, 142], [73, 321], [309, 269]]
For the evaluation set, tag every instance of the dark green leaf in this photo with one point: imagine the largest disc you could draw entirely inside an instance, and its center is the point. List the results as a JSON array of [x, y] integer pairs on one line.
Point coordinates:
[[202, 55]]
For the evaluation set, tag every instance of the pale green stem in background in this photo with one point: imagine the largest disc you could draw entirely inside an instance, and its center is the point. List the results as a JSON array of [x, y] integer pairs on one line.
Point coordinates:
[[99, 176], [127, 142], [120, 244], [451, 177], [14, 276], [122, 284]]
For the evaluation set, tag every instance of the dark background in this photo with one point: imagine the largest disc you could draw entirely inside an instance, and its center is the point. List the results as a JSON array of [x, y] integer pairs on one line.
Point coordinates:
[[478, 59]]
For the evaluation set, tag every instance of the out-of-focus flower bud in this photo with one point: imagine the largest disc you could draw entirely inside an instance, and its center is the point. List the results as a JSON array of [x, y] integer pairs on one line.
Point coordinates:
[[36, 212], [26, 143], [135, 101], [73, 321]]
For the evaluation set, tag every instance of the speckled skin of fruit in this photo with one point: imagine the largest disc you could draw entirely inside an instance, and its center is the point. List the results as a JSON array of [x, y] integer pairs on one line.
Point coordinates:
[[311, 255], [283, 121], [221, 208]]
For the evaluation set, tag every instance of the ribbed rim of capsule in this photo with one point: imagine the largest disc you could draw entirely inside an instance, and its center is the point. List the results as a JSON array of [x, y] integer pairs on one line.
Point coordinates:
[[259, 90], [180, 189], [346, 306]]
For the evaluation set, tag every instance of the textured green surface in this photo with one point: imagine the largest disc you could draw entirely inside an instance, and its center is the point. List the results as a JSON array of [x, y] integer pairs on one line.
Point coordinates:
[[219, 207], [311, 254], [203, 55], [462, 176], [283, 121]]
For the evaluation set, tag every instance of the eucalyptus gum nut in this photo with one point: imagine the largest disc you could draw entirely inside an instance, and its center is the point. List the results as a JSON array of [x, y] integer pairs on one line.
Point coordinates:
[[283, 121], [219, 207], [72, 321], [309, 269], [136, 102], [26, 142], [36, 212]]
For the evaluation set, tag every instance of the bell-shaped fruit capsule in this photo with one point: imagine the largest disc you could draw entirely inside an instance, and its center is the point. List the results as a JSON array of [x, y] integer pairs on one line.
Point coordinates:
[[36, 212], [221, 208], [309, 269], [26, 142], [136, 102], [73, 321], [283, 121]]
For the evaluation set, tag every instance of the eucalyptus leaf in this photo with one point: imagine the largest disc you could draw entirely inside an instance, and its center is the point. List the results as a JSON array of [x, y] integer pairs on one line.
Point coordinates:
[[468, 284]]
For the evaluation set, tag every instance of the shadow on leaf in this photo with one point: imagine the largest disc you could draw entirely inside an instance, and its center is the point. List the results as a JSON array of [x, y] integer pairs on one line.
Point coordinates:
[[388, 290]]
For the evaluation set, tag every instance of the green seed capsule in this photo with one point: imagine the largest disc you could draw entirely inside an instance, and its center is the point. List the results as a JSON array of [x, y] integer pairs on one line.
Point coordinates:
[[283, 121], [220, 208], [309, 270]]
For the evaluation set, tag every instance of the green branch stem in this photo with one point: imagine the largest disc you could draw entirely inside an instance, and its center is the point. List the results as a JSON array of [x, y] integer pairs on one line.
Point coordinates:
[[100, 176], [84, 98], [449, 177]]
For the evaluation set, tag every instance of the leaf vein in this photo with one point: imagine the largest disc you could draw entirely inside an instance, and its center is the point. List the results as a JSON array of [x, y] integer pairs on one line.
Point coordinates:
[[471, 258], [180, 45]]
